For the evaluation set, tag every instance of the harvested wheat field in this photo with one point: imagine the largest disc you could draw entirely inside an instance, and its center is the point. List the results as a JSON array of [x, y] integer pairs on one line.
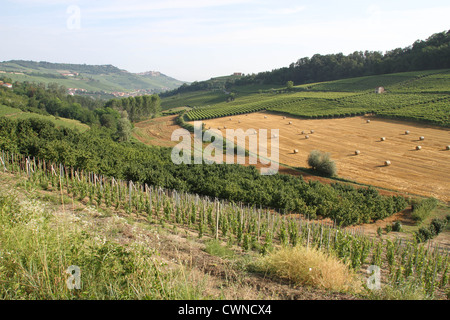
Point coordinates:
[[361, 149], [156, 131]]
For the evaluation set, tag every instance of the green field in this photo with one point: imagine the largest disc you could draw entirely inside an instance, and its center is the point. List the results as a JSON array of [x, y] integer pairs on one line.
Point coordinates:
[[14, 113], [418, 96]]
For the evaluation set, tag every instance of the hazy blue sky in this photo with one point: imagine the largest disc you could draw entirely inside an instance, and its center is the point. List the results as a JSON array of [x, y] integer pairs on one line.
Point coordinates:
[[199, 39]]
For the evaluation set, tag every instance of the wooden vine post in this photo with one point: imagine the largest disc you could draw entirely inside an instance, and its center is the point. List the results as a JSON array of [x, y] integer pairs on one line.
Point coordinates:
[[217, 218]]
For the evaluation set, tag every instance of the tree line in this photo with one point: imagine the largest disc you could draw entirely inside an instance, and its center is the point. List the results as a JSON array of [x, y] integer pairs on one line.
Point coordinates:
[[53, 99], [84, 68], [432, 53]]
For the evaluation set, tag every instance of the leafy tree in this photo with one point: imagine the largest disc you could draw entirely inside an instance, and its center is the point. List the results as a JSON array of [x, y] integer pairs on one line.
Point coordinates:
[[124, 128], [290, 85]]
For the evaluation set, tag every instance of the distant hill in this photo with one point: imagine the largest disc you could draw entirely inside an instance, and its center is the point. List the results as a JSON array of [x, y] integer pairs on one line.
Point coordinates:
[[216, 84], [90, 78]]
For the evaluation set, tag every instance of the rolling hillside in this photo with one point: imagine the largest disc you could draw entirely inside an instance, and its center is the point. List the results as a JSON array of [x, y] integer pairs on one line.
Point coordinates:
[[93, 78], [419, 96]]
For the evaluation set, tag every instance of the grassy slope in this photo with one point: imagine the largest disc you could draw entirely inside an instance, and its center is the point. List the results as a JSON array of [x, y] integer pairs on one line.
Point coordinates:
[[59, 122]]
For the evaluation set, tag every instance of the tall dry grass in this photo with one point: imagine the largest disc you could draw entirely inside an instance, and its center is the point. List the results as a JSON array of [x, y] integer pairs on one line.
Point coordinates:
[[37, 246], [312, 267]]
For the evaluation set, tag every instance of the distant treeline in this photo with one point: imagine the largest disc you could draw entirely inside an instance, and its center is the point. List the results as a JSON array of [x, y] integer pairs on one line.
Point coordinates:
[[54, 100], [433, 53], [137, 107], [80, 68]]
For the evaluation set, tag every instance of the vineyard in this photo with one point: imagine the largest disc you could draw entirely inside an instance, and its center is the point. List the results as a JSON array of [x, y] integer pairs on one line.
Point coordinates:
[[249, 227], [417, 96], [433, 83], [199, 98], [368, 83]]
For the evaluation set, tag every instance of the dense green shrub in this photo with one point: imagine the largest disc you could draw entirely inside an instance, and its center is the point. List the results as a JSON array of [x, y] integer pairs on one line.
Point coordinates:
[[438, 225], [422, 208], [321, 162], [397, 226], [426, 233]]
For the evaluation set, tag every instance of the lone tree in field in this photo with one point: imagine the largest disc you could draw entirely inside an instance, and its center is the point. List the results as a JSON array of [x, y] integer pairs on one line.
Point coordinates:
[[290, 85], [322, 163]]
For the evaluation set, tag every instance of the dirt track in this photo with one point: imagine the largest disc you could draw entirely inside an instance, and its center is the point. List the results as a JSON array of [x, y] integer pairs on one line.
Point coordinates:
[[423, 172]]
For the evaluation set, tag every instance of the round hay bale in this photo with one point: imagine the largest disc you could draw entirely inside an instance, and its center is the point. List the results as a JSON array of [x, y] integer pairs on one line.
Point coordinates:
[[357, 152], [421, 138], [295, 150], [224, 127], [290, 122], [448, 147], [265, 117], [387, 163], [284, 117], [303, 132], [306, 137], [407, 132], [239, 121], [312, 131], [418, 147], [383, 139], [368, 121]]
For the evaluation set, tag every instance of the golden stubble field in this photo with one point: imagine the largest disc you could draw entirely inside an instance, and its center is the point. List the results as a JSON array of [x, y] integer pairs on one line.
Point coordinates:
[[422, 172]]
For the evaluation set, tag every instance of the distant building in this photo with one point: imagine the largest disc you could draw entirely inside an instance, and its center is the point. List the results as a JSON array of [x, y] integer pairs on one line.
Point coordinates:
[[379, 89], [69, 74], [237, 74], [73, 91], [7, 85]]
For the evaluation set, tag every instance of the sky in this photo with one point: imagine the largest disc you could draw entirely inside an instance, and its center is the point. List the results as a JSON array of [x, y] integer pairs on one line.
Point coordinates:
[[194, 40]]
